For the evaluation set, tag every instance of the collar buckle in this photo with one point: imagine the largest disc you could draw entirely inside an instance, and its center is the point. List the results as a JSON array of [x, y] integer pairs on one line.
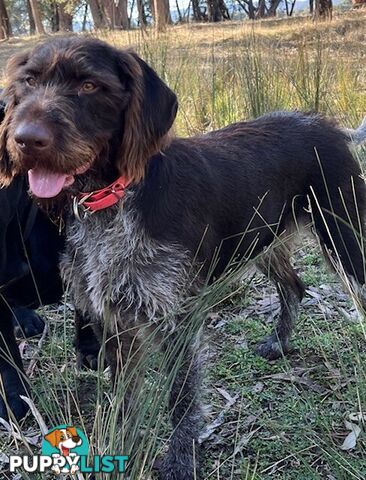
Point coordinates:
[[81, 212]]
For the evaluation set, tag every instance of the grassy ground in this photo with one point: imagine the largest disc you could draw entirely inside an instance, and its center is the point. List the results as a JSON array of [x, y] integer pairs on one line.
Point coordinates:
[[267, 420]]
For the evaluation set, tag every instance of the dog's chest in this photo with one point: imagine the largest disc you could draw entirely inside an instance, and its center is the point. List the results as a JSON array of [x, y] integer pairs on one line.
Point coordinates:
[[112, 265]]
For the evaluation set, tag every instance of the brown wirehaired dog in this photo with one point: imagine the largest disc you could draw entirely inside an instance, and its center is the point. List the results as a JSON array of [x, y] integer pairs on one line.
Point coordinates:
[[90, 124]]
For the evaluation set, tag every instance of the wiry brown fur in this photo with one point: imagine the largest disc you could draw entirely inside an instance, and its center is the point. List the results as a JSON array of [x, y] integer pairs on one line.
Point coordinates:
[[139, 139], [223, 197]]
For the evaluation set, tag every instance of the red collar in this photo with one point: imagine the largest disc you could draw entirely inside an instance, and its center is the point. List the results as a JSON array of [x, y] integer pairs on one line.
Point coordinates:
[[105, 197]]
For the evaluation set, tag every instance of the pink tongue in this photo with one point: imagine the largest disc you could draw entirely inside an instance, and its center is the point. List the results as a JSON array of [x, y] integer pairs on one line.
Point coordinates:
[[44, 184]]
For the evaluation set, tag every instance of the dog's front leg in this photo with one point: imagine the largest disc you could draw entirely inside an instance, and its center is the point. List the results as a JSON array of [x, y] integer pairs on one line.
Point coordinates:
[[13, 381], [181, 462], [86, 343], [123, 351]]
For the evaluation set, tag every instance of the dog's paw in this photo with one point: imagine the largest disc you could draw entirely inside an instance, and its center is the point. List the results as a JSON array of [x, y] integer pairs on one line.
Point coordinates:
[[27, 323], [87, 359], [14, 403], [86, 345], [271, 349]]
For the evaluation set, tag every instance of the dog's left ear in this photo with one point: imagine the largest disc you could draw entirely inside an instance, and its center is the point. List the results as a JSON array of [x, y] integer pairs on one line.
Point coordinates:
[[148, 118], [7, 102], [53, 438], [6, 170]]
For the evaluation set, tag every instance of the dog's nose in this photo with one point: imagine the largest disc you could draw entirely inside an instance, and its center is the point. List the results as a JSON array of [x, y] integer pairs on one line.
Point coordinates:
[[32, 137]]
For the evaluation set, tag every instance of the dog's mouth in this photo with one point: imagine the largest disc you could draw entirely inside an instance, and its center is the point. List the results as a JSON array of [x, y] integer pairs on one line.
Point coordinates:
[[65, 451], [46, 184]]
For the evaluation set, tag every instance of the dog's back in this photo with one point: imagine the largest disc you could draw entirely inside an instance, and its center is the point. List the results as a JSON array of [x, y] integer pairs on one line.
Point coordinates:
[[244, 185]]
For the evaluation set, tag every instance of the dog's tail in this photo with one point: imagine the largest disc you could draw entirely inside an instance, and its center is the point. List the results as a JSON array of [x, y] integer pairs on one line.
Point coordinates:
[[357, 136]]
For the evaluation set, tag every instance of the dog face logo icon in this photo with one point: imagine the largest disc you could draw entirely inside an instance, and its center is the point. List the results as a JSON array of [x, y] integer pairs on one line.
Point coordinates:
[[64, 439], [65, 444]]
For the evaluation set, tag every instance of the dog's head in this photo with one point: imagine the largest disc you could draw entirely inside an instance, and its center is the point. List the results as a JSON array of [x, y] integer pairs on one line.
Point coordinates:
[[64, 439], [79, 105]]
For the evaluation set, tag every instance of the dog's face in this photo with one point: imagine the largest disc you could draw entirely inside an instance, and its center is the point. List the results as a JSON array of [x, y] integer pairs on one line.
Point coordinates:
[[64, 439], [76, 105]]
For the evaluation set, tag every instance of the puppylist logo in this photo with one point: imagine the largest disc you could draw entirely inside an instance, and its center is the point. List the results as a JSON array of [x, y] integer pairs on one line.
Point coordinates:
[[65, 449]]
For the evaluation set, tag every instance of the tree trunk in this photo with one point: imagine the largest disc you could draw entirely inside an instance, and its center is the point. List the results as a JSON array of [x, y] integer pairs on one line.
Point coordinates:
[[224, 10], [117, 14], [198, 15], [110, 13], [142, 14], [272, 11], [123, 14], [32, 26], [97, 14], [252, 10], [180, 18], [311, 7], [65, 18], [323, 10], [249, 8], [37, 17], [5, 27], [261, 10], [292, 8], [213, 10], [55, 18], [161, 14], [168, 16], [85, 17]]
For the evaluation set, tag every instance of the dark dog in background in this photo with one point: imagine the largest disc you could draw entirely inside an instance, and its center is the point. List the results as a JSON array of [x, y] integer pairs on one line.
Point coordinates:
[[29, 277], [82, 116], [29, 253], [12, 264], [30, 247]]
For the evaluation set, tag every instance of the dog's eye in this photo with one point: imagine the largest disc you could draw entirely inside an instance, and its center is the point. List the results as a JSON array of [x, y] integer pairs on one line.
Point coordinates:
[[88, 87], [31, 81]]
